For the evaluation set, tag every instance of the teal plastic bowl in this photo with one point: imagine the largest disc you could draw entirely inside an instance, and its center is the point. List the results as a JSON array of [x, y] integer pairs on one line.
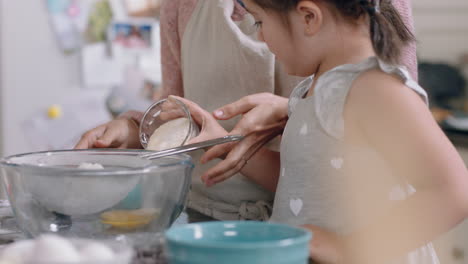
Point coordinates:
[[237, 242]]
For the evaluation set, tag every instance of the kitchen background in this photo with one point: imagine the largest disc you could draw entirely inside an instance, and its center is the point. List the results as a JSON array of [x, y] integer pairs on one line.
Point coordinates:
[[41, 68], [51, 92]]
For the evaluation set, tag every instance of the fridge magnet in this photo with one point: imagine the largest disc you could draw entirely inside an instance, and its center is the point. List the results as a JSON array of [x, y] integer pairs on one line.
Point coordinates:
[[132, 35]]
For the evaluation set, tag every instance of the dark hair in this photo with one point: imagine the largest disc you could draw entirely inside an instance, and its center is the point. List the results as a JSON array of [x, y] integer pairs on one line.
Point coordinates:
[[387, 30]]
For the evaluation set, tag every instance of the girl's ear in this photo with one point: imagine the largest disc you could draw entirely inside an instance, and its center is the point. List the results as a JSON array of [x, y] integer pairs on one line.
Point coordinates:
[[311, 16]]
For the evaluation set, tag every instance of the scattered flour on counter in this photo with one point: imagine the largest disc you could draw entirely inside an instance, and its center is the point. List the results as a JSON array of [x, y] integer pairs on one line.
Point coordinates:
[[169, 135]]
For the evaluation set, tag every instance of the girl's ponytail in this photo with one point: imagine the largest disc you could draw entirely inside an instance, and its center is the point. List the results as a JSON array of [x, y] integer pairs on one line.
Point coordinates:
[[387, 30]]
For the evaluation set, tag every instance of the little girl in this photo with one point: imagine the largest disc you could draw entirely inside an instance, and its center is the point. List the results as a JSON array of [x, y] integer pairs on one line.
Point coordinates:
[[362, 161], [210, 55]]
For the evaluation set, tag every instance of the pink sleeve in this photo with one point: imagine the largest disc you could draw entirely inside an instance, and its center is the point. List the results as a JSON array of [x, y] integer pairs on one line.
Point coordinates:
[[409, 52], [175, 15]]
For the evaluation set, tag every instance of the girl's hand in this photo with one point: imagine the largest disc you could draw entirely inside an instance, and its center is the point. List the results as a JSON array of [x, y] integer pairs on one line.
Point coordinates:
[[325, 247], [209, 126], [264, 118]]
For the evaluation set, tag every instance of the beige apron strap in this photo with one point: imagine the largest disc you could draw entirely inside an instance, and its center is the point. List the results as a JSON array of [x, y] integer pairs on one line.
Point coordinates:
[[222, 62]]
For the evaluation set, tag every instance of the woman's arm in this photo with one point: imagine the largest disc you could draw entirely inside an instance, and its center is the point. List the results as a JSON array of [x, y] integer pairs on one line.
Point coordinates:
[[409, 52], [175, 15]]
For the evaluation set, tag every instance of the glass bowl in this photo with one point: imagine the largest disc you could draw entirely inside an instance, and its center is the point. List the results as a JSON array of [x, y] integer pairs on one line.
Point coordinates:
[[130, 199], [164, 115]]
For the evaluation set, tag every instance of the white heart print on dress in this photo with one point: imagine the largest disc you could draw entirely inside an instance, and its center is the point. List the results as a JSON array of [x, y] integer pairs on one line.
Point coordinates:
[[304, 130], [296, 206], [337, 163]]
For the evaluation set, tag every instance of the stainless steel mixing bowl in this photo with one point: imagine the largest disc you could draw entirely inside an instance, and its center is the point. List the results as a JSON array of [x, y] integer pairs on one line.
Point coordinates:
[[130, 199]]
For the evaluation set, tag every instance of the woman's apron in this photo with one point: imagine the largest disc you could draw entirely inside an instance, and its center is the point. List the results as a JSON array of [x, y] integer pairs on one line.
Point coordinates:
[[221, 63]]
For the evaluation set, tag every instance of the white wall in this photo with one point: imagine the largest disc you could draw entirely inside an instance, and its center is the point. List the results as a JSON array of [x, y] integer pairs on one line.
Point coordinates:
[[441, 29], [1, 81], [34, 72]]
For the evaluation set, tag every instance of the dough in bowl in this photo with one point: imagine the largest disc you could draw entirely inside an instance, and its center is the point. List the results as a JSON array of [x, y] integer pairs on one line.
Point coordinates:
[[90, 166], [82, 187]]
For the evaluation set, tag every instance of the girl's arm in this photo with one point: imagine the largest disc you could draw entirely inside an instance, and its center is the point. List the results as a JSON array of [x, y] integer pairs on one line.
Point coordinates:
[[409, 52], [260, 123], [395, 121], [263, 168], [264, 116]]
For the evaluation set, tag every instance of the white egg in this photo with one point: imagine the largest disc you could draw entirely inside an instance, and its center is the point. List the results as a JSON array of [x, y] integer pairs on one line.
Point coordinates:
[[17, 253], [51, 249], [94, 252]]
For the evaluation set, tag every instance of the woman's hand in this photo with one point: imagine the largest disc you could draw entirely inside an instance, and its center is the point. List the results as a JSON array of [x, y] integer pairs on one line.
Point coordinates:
[[264, 118], [119, 133], [325, 247]]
